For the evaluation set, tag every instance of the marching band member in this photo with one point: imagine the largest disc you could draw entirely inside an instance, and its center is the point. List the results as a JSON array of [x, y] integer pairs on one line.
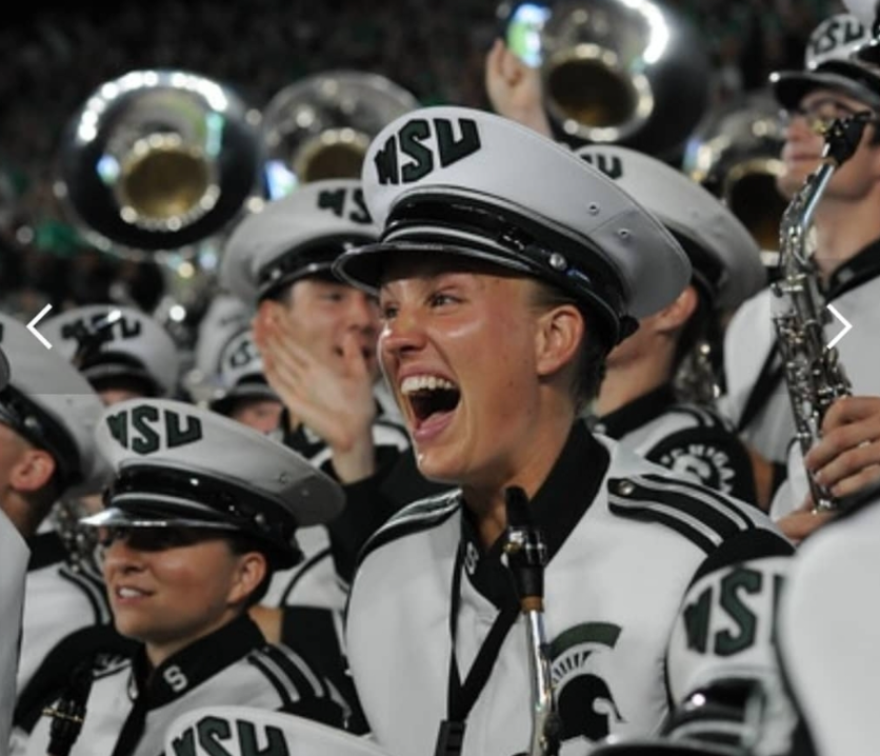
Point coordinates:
[[317, 340], [500, 298], [638, 403], [200, 511], [847, 231]]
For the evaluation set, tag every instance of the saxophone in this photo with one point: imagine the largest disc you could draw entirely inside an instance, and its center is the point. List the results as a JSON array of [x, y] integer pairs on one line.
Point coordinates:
[[526, 558], [813, 374]]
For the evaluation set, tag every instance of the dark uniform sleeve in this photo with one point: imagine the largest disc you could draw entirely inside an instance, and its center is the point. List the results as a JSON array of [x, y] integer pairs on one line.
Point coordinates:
[[312, 633], [371, 502], [718, 457]]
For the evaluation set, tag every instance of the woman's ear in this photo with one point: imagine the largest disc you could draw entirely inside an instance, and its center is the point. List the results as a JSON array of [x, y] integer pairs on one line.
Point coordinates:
[[558, 338], [250, 571]]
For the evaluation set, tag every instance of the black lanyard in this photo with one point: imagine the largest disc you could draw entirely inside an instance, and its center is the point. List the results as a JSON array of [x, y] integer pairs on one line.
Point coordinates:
[[462, 697]]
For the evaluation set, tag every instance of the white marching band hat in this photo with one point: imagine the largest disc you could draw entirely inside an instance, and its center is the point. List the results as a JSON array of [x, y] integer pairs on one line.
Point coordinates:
[[175, 464], [724, 255], [293, 237], [108, 342], [462, 181], [48, 402], [831, 62], [225, 317], [240, 374]]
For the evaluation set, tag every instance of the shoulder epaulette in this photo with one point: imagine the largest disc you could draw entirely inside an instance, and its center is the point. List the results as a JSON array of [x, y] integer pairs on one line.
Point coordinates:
[[418, 516], [288, 672], [702, 515]]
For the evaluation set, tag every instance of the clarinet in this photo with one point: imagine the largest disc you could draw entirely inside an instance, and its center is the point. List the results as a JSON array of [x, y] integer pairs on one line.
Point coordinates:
[[814, 377], [526, 557], [69, 711]]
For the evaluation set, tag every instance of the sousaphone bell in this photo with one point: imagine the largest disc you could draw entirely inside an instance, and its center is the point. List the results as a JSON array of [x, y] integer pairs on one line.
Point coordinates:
[[320, 127]]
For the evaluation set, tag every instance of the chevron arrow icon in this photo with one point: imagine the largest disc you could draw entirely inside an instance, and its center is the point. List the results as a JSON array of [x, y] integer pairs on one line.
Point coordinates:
[[847, 326], [32, 326]]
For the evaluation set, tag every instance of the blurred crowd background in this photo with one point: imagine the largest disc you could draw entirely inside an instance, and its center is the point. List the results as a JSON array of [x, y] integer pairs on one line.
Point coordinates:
[[58, 54]]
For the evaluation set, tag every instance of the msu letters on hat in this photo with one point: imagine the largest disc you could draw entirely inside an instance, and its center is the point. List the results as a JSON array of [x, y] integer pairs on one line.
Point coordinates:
[[463, 181], [296, 236], [829, 64], [241, 373], [48, 402], [727, 259], [176, 464], [108, 342]]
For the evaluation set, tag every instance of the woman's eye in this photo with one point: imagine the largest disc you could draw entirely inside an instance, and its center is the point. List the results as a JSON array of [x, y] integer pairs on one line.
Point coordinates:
[[388, 311]]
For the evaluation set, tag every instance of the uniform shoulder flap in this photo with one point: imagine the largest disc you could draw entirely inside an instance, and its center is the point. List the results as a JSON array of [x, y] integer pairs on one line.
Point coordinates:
[[704, 516], [414, 518]]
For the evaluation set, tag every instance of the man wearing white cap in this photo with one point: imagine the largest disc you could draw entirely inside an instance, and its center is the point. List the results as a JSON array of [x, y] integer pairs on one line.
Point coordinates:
[[644, 399], [317, 340], [501, 297], [200, 511], [846, 240], [12, 582], [48, 413]]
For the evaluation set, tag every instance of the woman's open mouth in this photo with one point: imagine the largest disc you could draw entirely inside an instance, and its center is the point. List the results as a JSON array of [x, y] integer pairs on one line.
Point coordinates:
[[432, 401]]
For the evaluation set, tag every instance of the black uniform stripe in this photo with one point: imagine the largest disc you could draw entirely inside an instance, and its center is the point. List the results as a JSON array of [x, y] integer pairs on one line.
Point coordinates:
[[702, 418], [421, 515], [275, 676], [704, 508], [745, 515], [297, 671], [97, 596], [646, 512], [307, 566]]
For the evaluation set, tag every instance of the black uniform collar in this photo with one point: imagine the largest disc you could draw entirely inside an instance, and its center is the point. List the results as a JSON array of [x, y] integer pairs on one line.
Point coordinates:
[[556, 509], [637, 413], [864, 267], [191, 666], [46, 549]]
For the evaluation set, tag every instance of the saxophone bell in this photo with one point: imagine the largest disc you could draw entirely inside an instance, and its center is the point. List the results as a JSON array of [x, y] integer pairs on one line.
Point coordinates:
[[526, 558]]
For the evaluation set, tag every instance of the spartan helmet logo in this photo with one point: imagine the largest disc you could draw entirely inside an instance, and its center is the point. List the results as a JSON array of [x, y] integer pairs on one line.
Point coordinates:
[[584, 699]]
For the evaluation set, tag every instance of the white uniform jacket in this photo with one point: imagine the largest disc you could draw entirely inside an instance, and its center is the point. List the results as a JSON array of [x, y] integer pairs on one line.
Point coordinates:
[[625, 539], [129, 708]]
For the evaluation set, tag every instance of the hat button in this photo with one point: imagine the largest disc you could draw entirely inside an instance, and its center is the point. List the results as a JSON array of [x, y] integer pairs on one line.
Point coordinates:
[[625, 487], [558, 262]]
